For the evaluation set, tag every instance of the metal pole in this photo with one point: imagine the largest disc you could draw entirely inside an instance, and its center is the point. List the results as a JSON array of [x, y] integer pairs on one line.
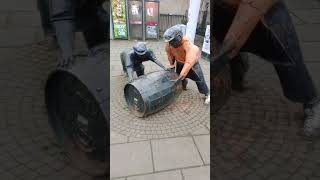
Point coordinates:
[[193, 14], [127, 20], [143, 21], [158, 20]]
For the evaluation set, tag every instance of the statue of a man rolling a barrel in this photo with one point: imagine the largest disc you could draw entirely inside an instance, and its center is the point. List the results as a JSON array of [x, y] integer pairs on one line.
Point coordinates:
[[152, 92], [264, 28], [132, 60]]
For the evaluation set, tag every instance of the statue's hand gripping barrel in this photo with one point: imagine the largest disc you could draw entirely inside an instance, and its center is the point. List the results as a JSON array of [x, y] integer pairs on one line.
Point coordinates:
[[152, 92]]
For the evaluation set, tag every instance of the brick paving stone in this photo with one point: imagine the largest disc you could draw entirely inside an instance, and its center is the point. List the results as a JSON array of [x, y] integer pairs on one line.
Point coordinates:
[[130, 159], [170, 175], [199, 173], [175, 153]]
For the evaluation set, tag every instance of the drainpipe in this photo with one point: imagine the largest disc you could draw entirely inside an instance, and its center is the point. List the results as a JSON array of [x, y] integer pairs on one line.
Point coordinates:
[[193, 13]]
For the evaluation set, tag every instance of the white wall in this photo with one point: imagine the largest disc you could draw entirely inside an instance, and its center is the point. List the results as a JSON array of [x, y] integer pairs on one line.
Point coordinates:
[[178, 7]]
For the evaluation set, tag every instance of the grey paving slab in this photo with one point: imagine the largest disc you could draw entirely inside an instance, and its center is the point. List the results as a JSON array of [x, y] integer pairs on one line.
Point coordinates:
[[306, 32], [130, 159], [175, 153], [117, 138], [25, 19], [3, 112], [295, 19], [306, 4], [198, 173], [134, 139], [16, 37], [3, 20], [203, 145], [201, 131], [170, 175], [309, 16], [311, 51]]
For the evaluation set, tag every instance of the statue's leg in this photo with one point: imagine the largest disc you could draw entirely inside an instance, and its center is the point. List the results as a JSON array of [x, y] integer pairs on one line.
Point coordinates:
[[275, 40]]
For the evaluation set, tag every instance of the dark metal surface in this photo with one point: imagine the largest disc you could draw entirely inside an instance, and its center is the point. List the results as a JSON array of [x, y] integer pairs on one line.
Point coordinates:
[[77, 101], [152, 92]]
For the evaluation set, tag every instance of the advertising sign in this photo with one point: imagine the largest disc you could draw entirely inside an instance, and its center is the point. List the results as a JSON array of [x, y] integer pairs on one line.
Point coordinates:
[[206, 41], [152, 18], [119, 18], [135, 19], [135, 12]]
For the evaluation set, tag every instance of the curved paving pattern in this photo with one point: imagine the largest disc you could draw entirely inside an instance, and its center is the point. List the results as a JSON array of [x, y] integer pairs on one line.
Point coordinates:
[[258, 134], [28, 149], [185, 115]]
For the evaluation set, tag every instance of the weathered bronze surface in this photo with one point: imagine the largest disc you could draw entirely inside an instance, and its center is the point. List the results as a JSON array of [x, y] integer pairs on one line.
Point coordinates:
[[152, 92]]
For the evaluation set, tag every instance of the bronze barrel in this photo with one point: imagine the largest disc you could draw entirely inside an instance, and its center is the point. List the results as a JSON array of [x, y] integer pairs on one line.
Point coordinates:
[[152, 92]]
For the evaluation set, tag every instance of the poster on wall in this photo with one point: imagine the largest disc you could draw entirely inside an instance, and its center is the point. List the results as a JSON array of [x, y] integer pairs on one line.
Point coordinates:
[[152, 18], [206, 41], [151, 31], [135, 10], [119, 18]]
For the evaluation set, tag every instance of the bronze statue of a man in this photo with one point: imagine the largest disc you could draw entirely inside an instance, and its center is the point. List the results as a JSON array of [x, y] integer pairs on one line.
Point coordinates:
[[264, 28]]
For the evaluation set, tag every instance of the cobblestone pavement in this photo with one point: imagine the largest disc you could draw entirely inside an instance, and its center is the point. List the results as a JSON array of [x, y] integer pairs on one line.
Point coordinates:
[[172, 144], [258, 133], [28, 150]]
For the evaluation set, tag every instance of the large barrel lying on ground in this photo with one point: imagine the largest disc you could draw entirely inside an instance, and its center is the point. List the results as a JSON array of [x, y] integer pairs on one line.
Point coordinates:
[[77, 102], [152, 92]]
